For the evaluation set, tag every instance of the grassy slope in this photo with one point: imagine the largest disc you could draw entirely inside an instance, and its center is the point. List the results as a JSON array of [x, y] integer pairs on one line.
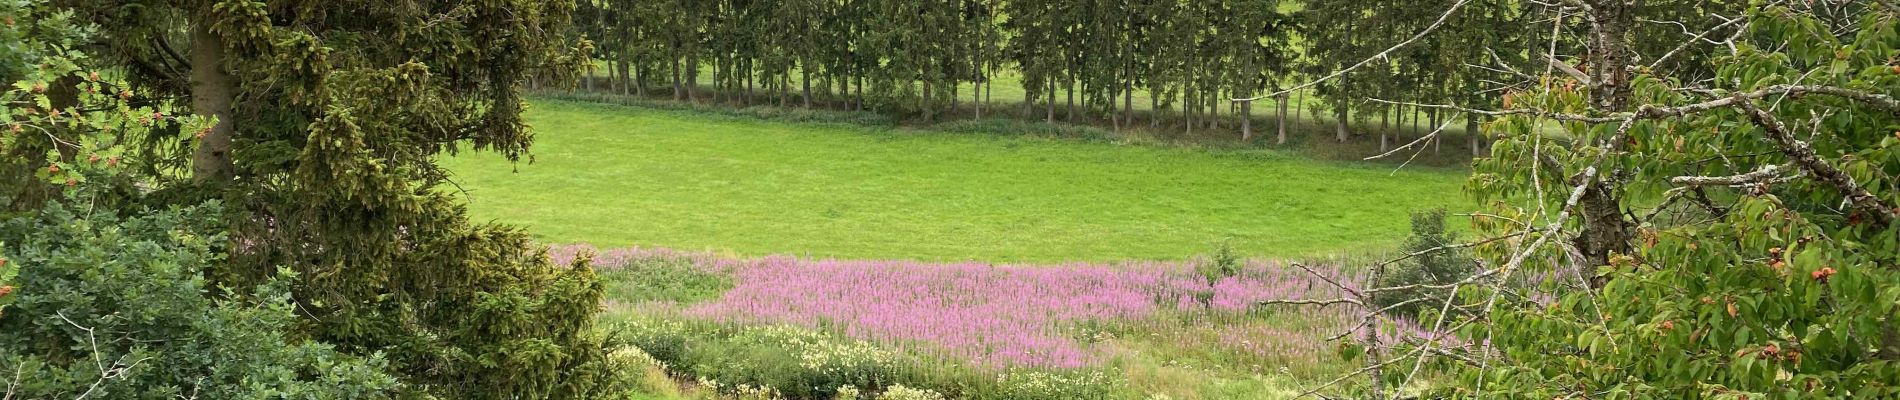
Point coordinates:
[[617, 176]]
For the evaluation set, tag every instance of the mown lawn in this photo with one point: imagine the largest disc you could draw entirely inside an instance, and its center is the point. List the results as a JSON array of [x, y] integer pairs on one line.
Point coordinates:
[[617, 176]]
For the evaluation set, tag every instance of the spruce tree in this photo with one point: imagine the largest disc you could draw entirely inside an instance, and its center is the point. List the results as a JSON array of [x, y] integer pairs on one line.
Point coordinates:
[[329, 116]]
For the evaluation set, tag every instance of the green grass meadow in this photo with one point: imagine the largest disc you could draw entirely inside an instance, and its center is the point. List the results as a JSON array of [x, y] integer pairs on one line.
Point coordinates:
[[620, 176]]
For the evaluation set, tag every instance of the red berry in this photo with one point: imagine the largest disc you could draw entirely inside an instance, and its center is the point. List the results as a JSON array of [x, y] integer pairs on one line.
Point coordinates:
[[1822, 274], [52, 169], [5, 290], [1669, 325]]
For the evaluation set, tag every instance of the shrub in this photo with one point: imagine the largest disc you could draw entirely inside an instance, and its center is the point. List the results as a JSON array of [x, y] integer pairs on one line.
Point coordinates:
[[900, 392], [1428, 267], [1079, 384], [111, 307]]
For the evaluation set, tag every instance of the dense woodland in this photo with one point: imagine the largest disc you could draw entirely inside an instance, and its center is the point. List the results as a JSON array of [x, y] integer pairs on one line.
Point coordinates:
[[1089, 59]]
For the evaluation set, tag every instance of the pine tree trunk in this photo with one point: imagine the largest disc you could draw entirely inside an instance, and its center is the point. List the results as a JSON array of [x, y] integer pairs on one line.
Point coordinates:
[[212, 92], [805, 74]]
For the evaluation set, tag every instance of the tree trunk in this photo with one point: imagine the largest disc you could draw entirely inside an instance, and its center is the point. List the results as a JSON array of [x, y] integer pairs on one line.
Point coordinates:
[[1128, 100], [1299, 104], [1050, 108], [1029, 102], [1071, 107], [1471, 135], [1605, 232], [212, 92], [1246, 121], [1154, 109], [1385, 122], [722, 77], [989, 89], [804, 71], [692, 78], [976, 95], [1437, 141], [956, 95], [1282, 121], [679, 88], [1340, 113], [626, 78]]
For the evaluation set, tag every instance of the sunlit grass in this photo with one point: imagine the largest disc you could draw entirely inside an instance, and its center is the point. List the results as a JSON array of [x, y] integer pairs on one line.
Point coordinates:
[[617, 176]]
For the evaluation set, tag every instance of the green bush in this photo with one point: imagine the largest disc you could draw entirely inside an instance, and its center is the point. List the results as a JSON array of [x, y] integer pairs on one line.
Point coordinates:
[[804, 363], [1431, 265], [111, 307]]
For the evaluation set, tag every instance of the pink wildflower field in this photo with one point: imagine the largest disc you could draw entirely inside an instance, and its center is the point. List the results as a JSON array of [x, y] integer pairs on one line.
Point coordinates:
[[1002, 314]]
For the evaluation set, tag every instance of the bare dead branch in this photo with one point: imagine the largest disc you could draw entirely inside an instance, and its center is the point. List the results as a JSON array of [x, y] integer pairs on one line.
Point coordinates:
[[1327, 302], [1685, 44], [1328, 279], [1826, 173], [1766, 174], [1648, 112], [1567, 69]]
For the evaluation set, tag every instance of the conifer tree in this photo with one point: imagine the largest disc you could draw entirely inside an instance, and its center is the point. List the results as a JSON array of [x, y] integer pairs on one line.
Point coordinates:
[[329, 116]]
